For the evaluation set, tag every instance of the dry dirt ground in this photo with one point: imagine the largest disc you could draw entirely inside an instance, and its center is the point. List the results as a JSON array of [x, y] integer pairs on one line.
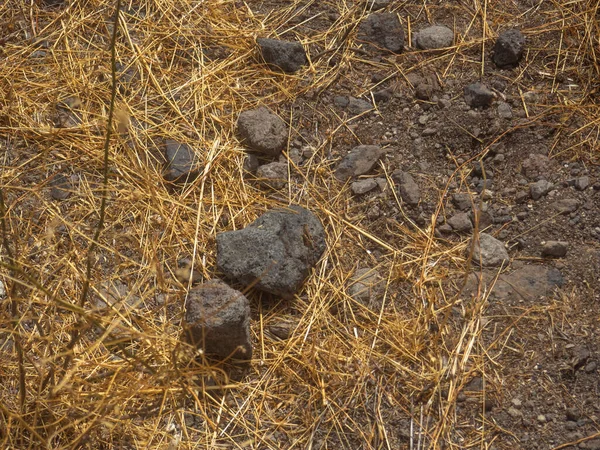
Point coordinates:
[[432, 359]]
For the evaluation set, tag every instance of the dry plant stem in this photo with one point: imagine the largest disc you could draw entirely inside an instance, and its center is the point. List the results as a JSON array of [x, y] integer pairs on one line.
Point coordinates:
[[13, 302], [76, 334]]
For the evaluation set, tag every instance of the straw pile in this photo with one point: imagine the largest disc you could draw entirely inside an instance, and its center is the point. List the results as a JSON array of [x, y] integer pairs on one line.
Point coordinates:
[[78, 376]]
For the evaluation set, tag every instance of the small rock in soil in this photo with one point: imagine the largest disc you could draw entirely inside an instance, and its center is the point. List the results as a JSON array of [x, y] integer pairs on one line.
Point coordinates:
[[508, 49], [461, 223], [181, 163], [382, 95], [276, 251], [567, 205], [535, 165], [489, 252], [478, 95], [384, 31], [424, 91], [445, 229], [582, 183], [363, 285], [217, 320], [363, 186], [282, 329], [539, 189], [359, 161], [408, 189], [273, 175], [61, 188], [572, 414], [555, 249], [283, 55], [462, 201], [251, 163], [514, 412], [504, 110], [262, 131], [112, 292], [358, 106], [2, 290], [434, 37]]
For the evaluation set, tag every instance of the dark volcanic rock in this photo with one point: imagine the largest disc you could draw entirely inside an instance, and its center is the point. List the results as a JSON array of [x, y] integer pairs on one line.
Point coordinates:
[[460, 223], [477, 94], [284, 55], [358, 161], [434, 37], [408, 189], [274, 174], [181, 163], [383, 30], [508, 49], [555, 249], [364, 284], [462, 201], [61, 188], [217, 320], [276, 251], [489, 252], [363, 186], [262, 131]]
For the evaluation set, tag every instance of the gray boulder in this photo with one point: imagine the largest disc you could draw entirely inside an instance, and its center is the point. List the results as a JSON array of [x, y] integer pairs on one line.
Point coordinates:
[[262, 131], [509, 48], [359, 161], [275, 253], [477, 94], [383, 30], [434, 37], [217, 320], [283, 55], [489, 252]]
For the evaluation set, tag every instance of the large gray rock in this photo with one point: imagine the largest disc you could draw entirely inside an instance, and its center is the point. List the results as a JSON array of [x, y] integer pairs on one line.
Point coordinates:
[[182, 163], [283, 55], [434, 37], [275, 253], [383, 30], [509, 48], [489, 252], [217, 320], [262, 131], [359, 161]]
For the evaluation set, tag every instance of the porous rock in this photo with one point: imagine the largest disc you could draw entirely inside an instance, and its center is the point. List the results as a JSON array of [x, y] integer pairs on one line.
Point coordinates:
[[478, 95], [383, 30], [508, 49], [283, 55], [359, 161], [217, 320], [434, 37], [182, 165], [489, 251], [262, 131], [275, 253], [273, 175]]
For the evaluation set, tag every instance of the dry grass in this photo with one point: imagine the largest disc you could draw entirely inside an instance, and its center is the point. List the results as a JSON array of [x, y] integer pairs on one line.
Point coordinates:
[[349, 376]]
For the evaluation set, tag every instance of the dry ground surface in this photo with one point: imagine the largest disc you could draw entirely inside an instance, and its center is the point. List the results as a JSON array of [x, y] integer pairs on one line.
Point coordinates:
[[422, 364]]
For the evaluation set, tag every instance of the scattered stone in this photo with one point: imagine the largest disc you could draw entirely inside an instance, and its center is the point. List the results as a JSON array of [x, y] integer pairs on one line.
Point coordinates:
[[582, 183], [504, 111], [283, 55], [251, 163], [591, 367], [2, 290], [273, 175], [554, 249], [573, 414], [445, 229], [516, 402], [217, 321], [461, 223], [522, 196], [462, 201], [262, 131], [275, 252], [341, 101], [182, 165], [541, 418], [68, 113], [61, 187], [478, 95], [434, 37], [535, 165], [424, 91], [567, 205], [363, 186], [384, 31], [363, 285], [359, 161], [489, 252], [408, 189], [283, 329], [540, 188], [111, 293], [509, 48], [383, 95], [358, 106], [514, 412], [526, 283]]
